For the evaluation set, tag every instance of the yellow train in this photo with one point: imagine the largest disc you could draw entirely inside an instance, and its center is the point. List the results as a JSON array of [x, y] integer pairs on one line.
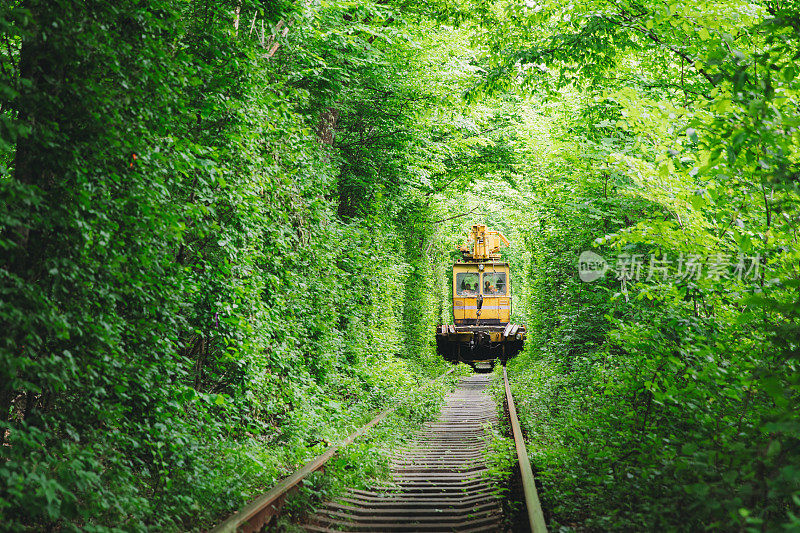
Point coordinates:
[[482, 331]]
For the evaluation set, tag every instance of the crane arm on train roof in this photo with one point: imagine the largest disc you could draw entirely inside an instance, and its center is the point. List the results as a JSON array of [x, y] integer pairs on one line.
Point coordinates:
[[483, 244], [502, 237]]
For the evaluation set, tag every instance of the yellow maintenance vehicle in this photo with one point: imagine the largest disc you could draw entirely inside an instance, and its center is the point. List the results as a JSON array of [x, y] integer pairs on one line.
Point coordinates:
[[482, 332]]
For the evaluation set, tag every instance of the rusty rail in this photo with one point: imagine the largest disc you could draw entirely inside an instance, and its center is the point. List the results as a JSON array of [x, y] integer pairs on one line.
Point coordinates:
[[535, 514], [259, 512]]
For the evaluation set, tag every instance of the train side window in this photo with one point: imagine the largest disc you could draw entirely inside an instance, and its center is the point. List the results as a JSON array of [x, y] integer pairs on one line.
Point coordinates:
[[467, 284], [494, 284]]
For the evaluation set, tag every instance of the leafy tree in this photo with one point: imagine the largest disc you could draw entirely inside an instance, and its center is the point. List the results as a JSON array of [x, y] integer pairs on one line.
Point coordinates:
[[681, 144]]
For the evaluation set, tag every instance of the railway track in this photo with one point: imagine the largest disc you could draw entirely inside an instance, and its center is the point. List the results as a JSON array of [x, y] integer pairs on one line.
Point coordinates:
[[439, 480]]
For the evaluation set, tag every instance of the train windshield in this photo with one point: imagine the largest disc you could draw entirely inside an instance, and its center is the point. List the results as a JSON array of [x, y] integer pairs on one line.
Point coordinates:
[[494, 284], [467, 284]]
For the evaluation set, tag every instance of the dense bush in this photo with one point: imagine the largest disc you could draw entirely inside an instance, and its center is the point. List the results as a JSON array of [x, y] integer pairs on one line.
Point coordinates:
[[190, 304]]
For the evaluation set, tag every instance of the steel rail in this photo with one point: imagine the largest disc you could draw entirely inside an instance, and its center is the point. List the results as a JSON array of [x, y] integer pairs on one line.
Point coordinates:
[[535, 514], [259, 512]]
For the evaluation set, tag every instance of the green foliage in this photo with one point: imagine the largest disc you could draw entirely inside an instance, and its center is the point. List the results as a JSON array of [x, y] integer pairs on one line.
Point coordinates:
[[224, 245], [194, 295], [662, 404]]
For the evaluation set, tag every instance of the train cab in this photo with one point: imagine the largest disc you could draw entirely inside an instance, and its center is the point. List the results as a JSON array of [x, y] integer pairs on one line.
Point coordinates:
[[489, 282]]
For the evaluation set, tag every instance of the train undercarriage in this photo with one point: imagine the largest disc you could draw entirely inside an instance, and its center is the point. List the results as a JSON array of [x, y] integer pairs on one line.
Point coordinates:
[[480, 345]]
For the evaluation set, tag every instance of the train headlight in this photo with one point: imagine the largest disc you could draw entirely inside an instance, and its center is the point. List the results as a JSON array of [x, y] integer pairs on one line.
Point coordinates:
[[519, 336], [480, 267]]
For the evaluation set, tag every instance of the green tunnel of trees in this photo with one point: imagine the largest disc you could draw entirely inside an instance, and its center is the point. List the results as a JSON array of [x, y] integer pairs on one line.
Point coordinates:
[[226, 229]]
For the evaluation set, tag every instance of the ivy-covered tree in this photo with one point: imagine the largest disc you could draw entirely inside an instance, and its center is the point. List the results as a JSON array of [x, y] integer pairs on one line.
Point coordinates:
[[189, 306]]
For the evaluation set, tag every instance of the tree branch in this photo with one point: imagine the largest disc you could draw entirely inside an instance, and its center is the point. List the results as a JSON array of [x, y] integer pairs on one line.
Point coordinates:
[[458, 216], [655, 38]]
